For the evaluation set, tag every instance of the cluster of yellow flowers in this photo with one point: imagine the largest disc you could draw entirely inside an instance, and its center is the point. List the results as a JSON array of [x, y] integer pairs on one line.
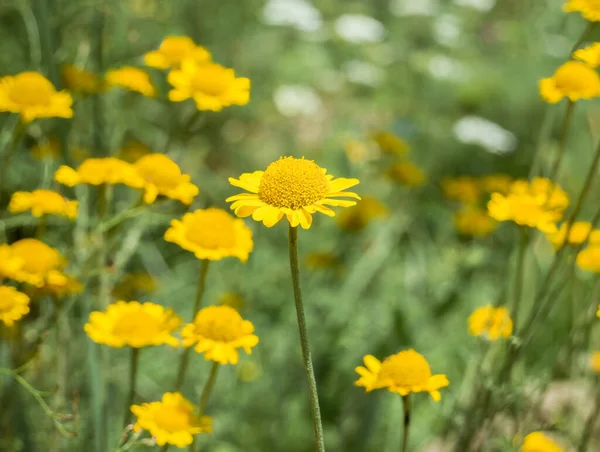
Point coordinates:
[[401, 170]]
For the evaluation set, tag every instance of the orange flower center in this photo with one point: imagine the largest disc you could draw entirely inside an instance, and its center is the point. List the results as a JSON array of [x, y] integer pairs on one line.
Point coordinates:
[[172, 418], [219, 323], [212, 229], [212, 79], [407, 369], [159, 170], [137, 325], [30, 89]]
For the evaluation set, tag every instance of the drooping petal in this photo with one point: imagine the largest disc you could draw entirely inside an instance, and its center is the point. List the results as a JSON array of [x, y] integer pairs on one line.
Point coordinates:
[[342, 183]]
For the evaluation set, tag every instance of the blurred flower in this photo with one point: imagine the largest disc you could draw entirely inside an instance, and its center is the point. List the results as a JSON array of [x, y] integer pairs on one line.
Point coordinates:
[[491, 323], [133, 283], [496, 183], [538, 442], [589, 9], [299, 14], [98, 171], [163, 177], [132, 79], [480, 5], [445, 68], [537, 204], [33, 96], [574, 80], [412, 8], [473, 221], [487, 134], [210, 85], [590, 55], [402, 373], [358, 217], [248, 371], [133, 324], [171, 421], [296, 188], [43, 202], [173, 50], [406, 173], [297, 100], [363, 73], [595, 362], [58, 284], [38, 262], [390, 143], [233, 300], [588, 259], [133, 150], [48, 148], [13, 305], [81, 81], [321, 260], [358, 28], [594, 237], [447, 30], [11, 265], [578, 233], [464, 189], [356, 151], [218, 331], [211, 234]]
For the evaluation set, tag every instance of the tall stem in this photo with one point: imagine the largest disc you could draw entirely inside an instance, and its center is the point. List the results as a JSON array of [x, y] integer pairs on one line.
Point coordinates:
[[97, 30], [9, 152], [313, 396], [590, 423], [133, 370], [518, 287], [406, 430], [208, 387], [564, 134]]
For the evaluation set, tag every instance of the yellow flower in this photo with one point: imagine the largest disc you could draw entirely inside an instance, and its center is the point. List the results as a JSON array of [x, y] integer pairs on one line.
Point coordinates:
[[233, 300], [358, 217], [356, 151], [589, 55], [402, 373], [390, 143], [132, 79], [496, 183], [59, 284], [589, 9], [210, 85], [33, 96], [594, 237], [11, 265], [464, 189], [163, 177], [173, 50], [538, 442], [406, 173], [98, 171], [218, 331], [211, 234], [578, 233], [170, 421], [133, 150], [574, 80], [472, 221], [537, 204], [13, 305], [133, 324], [491, 323], [588, 259], [43, 202], [38, 262], [296, 188], [81, 81], [49, 148], [595, 362], [132, 283]]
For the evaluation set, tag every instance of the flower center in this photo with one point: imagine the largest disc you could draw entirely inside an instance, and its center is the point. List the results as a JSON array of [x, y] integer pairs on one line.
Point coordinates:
[[172, 418], [212, 79], [292, 183], [406, 369], [159, 170], [212, 228], [219, 323], [39, 258], [31, 88], [137, 325], [575, 77]]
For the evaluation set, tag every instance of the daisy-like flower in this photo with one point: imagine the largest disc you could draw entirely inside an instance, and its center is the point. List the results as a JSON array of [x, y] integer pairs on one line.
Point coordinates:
[[590, 55], [211, 234], [163, 177], [589, 9], [536, 204], [390, 143], [10, 265], [132, 79], [48, 148], [588, 259], [574, 80], [464, 189], [491, 323], [402, 373], [210, 85], [578, 233], [33, 96], [358, 217], [13, 305], [171, 421], [81, 81], [496, 183], [59, 284], [296, 188], [406, 173], [133, 324], [473, 222], [99, 171], [218, 332], [173, 50], [37, 262], [595, 362], [538, 442], [43, 202]]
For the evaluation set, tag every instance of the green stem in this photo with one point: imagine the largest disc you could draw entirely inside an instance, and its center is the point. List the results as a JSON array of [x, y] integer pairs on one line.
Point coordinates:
[[97, 30], [519, 270], [208, 387], [9, 152], [591, 26], [406, 430], [313, 396], [590, 423], [133, 370], [564, 134]]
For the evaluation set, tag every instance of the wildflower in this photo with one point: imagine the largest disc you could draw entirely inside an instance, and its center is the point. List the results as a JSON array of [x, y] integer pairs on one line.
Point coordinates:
[[81, 81], [10, 264], [133, 324], [496, 183], [406, 173], [538, 442], [233, 300], [594, 237], [356, 151], [13, 305], [464, 189], [170, 421], [390, 143], [33, 96], [210, 85], [173, 50], [211, 234], [218, 331], [59, 284], [133, 283], [588, 259], [99, 171], [402, 373], [37, 262], [296, 188], [574, 80], [43, 202], [589, 9], [492, 323], [589, 55], [132, 79], [163, 177], [595, 362], [472, 221], [133, 150], [578, 233], [358, 217], [49, 148]]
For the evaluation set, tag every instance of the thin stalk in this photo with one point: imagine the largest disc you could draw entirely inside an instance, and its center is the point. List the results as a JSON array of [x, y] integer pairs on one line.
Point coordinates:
[[313, 396], [9, 152], [591, 26], [208, 387], [406, 430], [590, 423], [564, 134], [133, 370], [519, 270], [97, 39]]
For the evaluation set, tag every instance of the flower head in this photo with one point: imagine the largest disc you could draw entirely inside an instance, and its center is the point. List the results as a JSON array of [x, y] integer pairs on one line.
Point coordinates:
[[163, 176], [171, 421], [81, 81], [595, 362], [491, 323], [211, 234], [133, 324], [43, 202], [33, 96], [173, 50], [134, 283], [35, 262], [358, 217], [296, 188], [573, 80], [538, 442], [99, 171], [589, 55], [210, 85], [588, 259], [218, 331], [132, 79], [402, 373], [406, 173], [589, 9], [390, 143], [13, 305], [472, 221], [464, 189], [578, 233], [48, 148]]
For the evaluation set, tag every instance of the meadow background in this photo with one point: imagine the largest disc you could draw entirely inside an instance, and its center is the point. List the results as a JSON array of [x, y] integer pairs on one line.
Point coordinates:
[[456, 80]]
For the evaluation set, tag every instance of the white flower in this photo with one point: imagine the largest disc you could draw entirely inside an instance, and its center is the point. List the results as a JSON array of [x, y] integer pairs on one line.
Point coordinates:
[[363, 73], [357, 28], [414, 7], [484, 133], [297, 100], [480, 5], [446, 30], [443, 67], [299, 14]]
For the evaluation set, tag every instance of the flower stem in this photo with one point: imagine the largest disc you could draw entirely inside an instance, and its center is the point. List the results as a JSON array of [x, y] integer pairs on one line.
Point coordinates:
[[133, 370], [564, 134], [208, 387], [9, 152], [406, 430], [590, 423], [308, 365], [519, 270]]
